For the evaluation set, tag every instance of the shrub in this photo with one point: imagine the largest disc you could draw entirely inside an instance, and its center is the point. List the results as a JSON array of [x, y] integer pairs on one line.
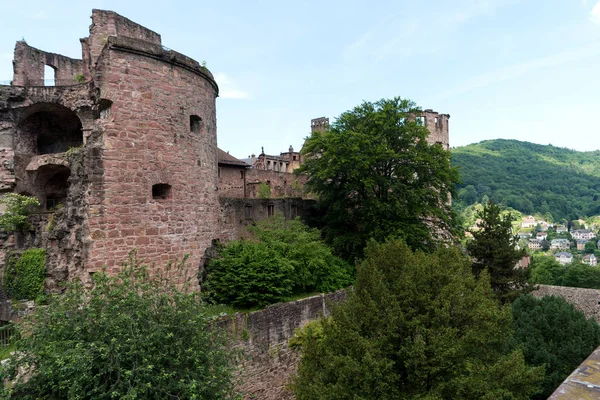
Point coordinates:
[[25, 276], [129, 337], [284, 257], [18, 208], [264, 191], [553, 333]]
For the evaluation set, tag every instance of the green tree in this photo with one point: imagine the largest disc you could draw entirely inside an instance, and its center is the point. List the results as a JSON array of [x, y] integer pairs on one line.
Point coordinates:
[[546, 270], [590, 247], [282, 258], [16, 214], [494, 247], [129, 337], [376, 176], [554, 334], [416, 326]]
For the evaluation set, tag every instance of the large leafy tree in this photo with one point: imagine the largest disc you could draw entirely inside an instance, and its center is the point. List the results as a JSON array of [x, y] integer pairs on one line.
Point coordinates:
[[130, 337], [416, 326], [494, 247], [553, 333], [377, 176]]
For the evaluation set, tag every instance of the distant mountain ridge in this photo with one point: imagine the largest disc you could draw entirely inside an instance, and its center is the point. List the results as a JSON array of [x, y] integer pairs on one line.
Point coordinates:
[[529, 177]]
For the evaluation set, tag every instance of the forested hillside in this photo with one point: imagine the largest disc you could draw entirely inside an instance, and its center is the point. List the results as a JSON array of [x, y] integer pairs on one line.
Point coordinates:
[[529, 177]]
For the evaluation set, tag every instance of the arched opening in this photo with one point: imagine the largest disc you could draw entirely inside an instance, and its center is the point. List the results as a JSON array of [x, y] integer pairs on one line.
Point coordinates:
[[49, 75], [53, 184], [48, 129]]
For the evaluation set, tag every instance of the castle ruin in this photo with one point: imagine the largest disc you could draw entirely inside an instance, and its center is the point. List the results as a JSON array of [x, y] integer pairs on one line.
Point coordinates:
[[121, 150]]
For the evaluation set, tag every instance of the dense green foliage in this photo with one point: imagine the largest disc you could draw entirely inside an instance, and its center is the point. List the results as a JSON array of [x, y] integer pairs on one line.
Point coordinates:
[[16, 213], [416, 326], [377, 177], [530, 178], [283, 258], [547, 271], [551, 332], [129, 337], [25, 275], [494, 248]]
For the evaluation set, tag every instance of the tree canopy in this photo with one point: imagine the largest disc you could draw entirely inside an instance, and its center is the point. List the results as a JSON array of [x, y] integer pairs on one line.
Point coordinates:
[[529, 177], [553, 333], [416, 326], [376, 176], [130, 337], [494, 247]]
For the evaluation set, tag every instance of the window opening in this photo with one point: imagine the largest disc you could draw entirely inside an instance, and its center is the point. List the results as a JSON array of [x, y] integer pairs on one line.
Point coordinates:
[[161, 191], [242, 174], [49, 76], [195, 124], [294, 211], [270, 210], [248, 211]]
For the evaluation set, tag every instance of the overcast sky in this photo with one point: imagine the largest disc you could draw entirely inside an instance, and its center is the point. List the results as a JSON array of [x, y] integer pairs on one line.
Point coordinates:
[[527, 70]]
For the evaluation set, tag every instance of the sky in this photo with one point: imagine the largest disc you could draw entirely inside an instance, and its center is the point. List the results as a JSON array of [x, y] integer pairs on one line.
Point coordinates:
[[526, 70]]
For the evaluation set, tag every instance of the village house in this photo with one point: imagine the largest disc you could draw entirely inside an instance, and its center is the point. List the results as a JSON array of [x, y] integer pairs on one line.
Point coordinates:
[[584, 234], [581, 244], [560, 244], [528, 222], [590, 259], [564, 257], [524, 235], [541, 236], [560, 228], [535, 244], [543, 225]]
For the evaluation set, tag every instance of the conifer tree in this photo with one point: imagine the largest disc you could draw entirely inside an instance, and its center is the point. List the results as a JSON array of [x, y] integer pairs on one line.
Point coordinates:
[[494, 247]]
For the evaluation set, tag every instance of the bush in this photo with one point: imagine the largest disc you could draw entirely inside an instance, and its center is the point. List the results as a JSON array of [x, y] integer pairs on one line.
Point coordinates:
[[264, 191], [18, 208], [553, 333], [129, 337], [25, 276], [283, 258]]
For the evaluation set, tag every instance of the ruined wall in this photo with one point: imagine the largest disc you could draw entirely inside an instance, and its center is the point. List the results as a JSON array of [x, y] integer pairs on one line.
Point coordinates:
[[237, 214], [269, 363], [282, 184], [159, 159], [585, 300], [29, 62], [108, 23], [438, 126], [232, 181], [62, 231]]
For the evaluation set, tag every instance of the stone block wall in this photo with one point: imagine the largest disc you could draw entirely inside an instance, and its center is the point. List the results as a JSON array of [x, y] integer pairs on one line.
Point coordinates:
[[585, 300], [232, 181], [282, 184], [263, 335], [29, 64], [159, 187], [237, 214]]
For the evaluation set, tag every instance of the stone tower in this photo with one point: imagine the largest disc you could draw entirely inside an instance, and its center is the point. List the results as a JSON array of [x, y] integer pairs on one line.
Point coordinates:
[[121, 151]]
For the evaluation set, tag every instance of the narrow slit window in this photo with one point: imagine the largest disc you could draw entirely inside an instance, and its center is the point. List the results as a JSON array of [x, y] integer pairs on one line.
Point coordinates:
[[195, 124], [248, 211], [270, 210], [161, 191], [242, 174]]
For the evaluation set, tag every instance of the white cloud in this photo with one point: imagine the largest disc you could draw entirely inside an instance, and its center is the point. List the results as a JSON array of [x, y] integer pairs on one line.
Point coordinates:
[[595, 14], [228, 88]]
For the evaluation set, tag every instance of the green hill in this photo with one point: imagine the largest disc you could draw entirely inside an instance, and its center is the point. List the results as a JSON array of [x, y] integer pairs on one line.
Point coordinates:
[[529, 177]]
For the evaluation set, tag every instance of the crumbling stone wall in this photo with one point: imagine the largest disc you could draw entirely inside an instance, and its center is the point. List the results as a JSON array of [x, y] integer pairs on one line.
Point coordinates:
[[263, 335], [585, 300], [437, 124], [29, 64], [237, 214], [282, 184]]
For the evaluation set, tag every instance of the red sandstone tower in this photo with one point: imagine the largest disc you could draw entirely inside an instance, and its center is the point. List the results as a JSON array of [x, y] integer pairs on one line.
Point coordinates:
[[121, 150]]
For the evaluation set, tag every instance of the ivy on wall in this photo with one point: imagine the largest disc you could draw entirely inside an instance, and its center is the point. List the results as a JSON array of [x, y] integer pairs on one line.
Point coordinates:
[[25, 276]]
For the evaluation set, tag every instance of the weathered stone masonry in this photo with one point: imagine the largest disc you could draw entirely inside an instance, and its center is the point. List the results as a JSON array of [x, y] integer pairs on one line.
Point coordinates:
[[128, 157]]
